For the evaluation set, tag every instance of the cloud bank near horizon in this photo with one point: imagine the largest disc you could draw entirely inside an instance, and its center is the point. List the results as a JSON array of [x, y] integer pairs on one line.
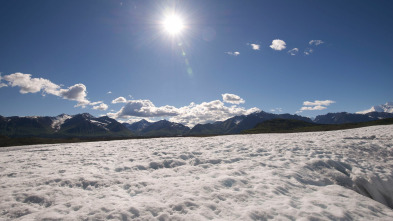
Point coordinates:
[[132, 110], [205, 112], [135, 110]]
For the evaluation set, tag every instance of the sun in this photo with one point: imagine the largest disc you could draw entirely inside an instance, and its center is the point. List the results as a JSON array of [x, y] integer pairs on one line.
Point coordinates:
[[173, 24]]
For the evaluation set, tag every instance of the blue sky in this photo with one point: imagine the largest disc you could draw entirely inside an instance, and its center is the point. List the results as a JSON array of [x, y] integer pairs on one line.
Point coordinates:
[[80, 56]]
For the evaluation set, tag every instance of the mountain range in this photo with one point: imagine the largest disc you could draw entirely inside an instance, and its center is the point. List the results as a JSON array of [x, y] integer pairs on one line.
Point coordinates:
[[157, 129], [344, 117], [80, 125], [296, 126], [237, 124], [86, 125]]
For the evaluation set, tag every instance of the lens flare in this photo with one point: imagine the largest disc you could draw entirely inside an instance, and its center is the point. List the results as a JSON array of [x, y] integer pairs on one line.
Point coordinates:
[[173, 24]]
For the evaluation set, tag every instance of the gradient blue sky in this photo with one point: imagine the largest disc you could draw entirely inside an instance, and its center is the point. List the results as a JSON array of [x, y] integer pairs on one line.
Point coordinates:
[[121, 47]]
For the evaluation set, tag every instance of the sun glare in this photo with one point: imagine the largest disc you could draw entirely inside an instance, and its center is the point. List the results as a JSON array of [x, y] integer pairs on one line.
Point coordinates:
[[173, 24]]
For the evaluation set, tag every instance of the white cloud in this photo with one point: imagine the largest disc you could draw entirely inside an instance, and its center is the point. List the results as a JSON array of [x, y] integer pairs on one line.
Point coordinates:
[[313, 108], [208, 112], [315, 105], [236, 53], [31, 85], [77, 93], [293, 51], [27, 84], [144, 108], [232, 99], [278, 109], [278, 45], [316, 42], [134, 120], [109, 92], [255, 47], [318, 103], [308, 51], [119, 100], [1, 83], [190, 115], [101, 107], [95, 103]]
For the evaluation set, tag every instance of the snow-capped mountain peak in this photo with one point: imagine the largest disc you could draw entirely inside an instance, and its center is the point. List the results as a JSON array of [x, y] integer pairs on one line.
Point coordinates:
[[387, 108], [87, 115], [59, 120], [100, 124]]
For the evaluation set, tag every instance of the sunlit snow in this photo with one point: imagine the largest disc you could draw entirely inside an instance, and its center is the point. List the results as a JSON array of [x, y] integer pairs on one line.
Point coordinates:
[[338, 175]]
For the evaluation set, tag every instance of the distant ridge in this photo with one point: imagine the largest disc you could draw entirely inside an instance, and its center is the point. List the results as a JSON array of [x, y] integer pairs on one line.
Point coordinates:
[[294, 126], [79, 125], [157, 129], [87, 126], [237, 124], [280, 126], [165, 128], [137, 127], [344, 117]]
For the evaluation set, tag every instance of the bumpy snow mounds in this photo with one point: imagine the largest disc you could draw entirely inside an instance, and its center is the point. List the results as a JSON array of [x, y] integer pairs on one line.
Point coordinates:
[[338, 175]]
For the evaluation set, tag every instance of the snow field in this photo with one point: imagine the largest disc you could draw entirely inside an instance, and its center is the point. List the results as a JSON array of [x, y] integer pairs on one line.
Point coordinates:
[[338, 175]]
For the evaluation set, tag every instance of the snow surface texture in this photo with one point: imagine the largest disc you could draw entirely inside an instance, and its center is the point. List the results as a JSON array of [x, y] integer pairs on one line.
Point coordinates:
[[338, 175]]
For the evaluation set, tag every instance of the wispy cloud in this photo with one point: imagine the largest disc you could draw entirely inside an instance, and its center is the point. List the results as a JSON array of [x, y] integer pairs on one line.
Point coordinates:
[[315, 42], [101, 107], [236, 53], [119, 100], [1, 83], [316, 105], [255, 47], [278, 45], [278, 109], [232, 99], [109, 92], [190, 115], [27, 84], [318, 102], [293, 51], [308, 51]]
